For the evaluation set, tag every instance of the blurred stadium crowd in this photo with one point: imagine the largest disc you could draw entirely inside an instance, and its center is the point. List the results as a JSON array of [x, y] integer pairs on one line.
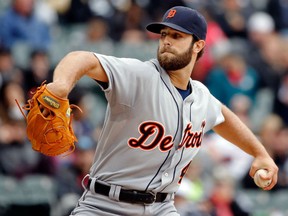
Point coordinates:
[[245, 66]]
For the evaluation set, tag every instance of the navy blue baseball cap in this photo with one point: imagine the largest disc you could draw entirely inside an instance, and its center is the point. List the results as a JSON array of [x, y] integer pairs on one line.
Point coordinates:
[[182, 19]]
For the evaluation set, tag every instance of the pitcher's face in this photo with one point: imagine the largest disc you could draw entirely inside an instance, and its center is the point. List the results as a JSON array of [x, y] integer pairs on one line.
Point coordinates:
[[175, 49]]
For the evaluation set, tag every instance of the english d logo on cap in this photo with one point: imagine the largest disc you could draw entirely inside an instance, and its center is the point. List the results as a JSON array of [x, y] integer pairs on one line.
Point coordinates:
[[183, 19], [171, 13]]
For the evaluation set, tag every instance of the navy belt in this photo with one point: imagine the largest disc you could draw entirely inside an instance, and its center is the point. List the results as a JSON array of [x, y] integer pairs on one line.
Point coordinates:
[[130, 196]]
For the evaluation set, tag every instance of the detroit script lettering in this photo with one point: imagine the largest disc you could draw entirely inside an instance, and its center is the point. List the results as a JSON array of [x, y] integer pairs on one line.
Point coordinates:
[[191, 139]]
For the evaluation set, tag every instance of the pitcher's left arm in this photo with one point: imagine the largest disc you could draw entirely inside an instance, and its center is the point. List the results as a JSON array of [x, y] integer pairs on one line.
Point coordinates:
[[236, 132]]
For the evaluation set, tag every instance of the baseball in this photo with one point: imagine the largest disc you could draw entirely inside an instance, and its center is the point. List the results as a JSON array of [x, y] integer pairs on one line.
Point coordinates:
[[258, 178]]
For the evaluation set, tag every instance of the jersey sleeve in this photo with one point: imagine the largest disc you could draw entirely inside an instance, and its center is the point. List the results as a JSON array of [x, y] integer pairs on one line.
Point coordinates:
[[214, 114], [127, 77], [213, 106]]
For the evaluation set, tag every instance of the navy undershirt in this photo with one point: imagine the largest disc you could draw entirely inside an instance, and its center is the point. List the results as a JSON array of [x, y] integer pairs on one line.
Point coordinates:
[[184, 93]]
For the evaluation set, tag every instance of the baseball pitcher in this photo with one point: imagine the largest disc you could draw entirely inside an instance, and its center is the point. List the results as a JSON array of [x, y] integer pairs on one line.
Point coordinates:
[[155, 121]]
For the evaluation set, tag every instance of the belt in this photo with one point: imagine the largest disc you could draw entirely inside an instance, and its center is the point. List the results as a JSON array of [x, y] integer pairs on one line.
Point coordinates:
[[130, 196]]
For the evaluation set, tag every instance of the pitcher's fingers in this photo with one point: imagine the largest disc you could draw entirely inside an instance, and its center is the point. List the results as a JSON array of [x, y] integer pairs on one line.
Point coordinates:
[[269, 175], [45, 112], [273, 183], [252, 171], [273, 175]]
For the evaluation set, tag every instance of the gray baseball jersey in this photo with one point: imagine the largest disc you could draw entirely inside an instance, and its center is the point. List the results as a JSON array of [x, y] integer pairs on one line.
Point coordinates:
[[150, 134]]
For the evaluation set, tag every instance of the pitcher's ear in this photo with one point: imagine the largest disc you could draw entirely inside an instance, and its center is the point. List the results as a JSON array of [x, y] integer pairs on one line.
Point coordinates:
[[198, 46]]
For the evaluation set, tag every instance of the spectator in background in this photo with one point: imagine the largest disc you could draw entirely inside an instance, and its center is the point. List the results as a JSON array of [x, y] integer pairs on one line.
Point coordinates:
[[76, 11], [232, 18], [98, 30], [133, 17], [8, 70], [134, 25], [241, 105], [69, 176], [278, 9], [281, 99], [269, 131], [46, 12], [232, 76], [264, 54], [60, 7], [20, 24], [224, 197], [280, 105], [39, 69], [17, 159], [95, 36], [264, 49], [214, 36], [260, 25]]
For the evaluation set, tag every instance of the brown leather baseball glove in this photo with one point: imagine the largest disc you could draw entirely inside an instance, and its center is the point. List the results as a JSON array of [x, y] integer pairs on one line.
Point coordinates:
[[51, 134]]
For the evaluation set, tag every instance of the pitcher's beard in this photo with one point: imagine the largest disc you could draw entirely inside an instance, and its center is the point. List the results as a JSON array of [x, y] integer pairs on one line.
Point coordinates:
[[175, 62]]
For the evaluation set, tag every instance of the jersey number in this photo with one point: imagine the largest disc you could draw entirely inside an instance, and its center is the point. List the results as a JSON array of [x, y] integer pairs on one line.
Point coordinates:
[[183, 172]]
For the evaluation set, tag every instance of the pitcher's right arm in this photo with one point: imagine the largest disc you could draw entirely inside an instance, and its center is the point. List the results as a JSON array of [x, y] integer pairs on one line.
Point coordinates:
[[72, 68]]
